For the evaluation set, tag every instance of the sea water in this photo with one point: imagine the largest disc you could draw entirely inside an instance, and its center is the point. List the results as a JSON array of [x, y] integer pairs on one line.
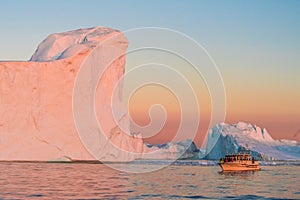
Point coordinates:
[[180, 180]]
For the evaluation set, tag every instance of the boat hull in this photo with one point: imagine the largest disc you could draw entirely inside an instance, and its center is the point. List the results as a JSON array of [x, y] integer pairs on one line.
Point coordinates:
[[237, 166]]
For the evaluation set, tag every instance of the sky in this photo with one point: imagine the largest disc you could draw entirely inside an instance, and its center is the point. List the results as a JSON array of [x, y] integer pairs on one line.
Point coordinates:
[[255, 44]]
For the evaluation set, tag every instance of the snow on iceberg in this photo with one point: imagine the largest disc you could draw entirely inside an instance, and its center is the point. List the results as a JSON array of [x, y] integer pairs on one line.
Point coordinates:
[[231, 138], [63, 45]]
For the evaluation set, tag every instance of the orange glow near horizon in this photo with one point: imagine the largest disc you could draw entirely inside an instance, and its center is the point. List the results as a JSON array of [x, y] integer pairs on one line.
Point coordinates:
[[140, 108], [256, 93], [274, 108], [255, 104]]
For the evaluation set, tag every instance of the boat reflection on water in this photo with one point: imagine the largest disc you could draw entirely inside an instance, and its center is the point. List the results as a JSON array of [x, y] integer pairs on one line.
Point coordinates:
[[237, 173]]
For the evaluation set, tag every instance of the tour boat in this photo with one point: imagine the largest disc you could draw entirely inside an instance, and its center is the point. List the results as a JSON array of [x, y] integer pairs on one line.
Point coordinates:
[[239, 162]]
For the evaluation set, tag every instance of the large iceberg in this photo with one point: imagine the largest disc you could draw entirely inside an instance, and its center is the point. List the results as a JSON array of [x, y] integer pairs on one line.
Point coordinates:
[[36, 116], [233, 138]]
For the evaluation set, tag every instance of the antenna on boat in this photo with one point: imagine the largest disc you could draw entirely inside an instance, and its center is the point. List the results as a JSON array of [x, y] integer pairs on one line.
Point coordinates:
[[247, 150]]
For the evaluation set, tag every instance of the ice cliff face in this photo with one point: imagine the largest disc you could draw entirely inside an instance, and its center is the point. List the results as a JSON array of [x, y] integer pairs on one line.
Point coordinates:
[[36, 115], [231, 138]]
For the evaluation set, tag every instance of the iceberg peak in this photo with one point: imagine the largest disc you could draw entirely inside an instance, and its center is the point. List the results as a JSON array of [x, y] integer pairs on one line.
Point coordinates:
[[63, 45], [231, 138]]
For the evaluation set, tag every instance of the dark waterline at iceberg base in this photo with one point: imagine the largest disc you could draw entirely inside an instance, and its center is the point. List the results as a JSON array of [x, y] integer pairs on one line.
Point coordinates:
[[181, 180]]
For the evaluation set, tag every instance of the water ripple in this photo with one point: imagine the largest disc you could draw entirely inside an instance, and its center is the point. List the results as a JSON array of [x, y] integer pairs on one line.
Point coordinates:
[[96, 181]]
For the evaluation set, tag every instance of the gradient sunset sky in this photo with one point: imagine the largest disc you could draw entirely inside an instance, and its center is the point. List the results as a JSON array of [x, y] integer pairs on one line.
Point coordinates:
[[255, 44]]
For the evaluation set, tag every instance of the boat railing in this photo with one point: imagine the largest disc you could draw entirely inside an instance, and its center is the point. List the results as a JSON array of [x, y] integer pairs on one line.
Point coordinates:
[[237, 158]]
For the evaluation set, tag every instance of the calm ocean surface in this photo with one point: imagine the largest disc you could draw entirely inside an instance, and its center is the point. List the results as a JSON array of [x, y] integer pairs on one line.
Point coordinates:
[[97, 181]]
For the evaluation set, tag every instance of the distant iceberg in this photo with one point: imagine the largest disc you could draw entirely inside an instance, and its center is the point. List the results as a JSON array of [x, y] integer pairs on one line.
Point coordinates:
[[171, 151], [231, 138], [228, 139]]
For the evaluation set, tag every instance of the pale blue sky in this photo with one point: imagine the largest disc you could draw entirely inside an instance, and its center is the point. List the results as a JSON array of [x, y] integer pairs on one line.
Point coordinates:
[[240, 28], [240, 35]]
